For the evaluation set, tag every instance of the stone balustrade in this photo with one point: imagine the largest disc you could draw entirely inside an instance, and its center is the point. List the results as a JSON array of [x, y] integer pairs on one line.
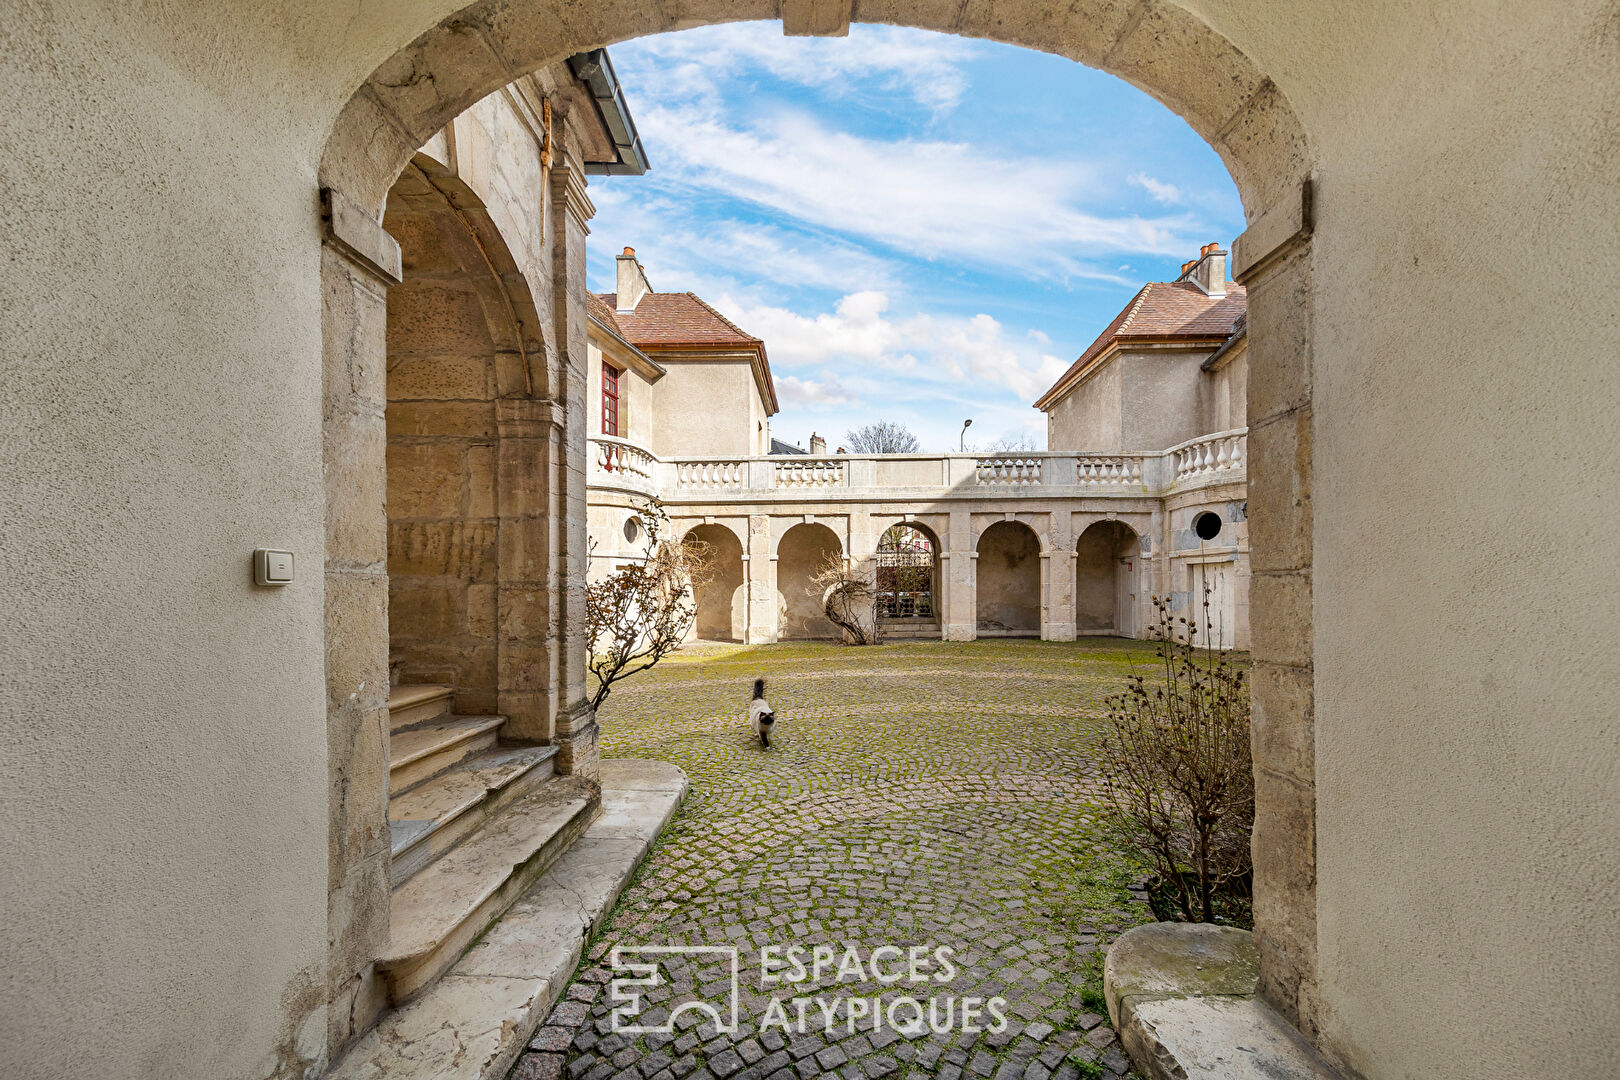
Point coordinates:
[[622, 463], [1218, 458], [1211, 456]]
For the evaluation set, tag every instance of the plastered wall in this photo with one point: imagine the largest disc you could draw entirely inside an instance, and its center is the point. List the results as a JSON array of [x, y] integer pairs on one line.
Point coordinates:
[[704, 409]]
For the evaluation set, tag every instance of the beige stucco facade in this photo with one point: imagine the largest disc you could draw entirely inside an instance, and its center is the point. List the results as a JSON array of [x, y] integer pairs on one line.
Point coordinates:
[[1431, 588]]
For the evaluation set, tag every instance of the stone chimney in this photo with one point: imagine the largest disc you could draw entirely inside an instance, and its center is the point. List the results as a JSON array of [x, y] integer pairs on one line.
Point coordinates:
[[1208, 271], [632, 282], [818, 445]]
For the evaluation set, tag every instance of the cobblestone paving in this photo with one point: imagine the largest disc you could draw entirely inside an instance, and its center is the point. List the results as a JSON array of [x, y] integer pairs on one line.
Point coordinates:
[[916, 794]]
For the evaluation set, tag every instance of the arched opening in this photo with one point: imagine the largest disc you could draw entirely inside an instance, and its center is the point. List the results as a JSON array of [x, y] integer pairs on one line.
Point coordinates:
[[1168, 51], [908, 581], [722, 599], [1107, 560], [1008, 585], [803, 551]]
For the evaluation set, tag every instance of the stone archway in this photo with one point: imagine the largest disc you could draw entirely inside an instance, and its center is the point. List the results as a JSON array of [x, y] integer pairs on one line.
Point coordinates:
[[801, 552], [722, 610], [1107, 567], [1163, 49], [1007, 585], [460, 336], [908, 581]]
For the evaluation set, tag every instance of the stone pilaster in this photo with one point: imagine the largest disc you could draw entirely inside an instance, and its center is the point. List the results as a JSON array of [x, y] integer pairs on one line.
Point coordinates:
[[762, 621], [1273, 259], [1057, 590], [530, 433], [359, 260], [959, 577], [570, 210]]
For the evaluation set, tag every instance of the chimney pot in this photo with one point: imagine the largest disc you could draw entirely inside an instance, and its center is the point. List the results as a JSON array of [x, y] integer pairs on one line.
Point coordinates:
[[630, 251]]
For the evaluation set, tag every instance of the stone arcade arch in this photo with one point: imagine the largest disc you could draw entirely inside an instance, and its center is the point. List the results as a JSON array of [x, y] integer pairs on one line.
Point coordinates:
[[1008, 581], [722, 601], [801, 552], [1162, 48], [1107, 569], [908, 580]]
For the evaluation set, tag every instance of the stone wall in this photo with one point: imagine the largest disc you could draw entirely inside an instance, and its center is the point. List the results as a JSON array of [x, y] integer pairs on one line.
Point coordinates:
[[446, 324]]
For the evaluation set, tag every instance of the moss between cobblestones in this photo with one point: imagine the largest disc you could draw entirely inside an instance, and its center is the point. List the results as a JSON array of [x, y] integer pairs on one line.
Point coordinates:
[[916, 793]]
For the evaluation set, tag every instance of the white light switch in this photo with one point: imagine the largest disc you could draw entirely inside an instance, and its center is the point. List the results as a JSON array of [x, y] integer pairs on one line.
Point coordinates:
[[272, 567]]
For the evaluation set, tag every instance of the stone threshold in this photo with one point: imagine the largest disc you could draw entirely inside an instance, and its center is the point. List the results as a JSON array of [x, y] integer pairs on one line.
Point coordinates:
[[473, 1023], [1182, 998]]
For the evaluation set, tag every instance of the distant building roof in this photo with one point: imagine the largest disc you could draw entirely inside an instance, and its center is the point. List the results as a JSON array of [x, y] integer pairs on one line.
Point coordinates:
[[683, 321], [780, 447], [602, 312], [1163, 311]]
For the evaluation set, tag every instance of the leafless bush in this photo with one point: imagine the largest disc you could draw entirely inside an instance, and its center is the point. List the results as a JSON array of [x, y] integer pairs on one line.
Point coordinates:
[[643, 610], [849, 597], [1178, 770]]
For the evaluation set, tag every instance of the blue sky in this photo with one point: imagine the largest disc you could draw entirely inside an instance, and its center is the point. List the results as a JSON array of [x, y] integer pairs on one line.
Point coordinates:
[[922, 228]]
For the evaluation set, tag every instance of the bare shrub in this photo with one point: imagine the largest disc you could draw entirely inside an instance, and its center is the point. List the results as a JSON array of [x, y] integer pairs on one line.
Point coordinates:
[[1179, 774], [849, 597], [643, 610]]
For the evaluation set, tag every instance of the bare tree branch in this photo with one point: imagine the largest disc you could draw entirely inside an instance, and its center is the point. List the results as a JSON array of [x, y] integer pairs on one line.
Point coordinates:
[[643, 610], [849, 597], [882, 437]]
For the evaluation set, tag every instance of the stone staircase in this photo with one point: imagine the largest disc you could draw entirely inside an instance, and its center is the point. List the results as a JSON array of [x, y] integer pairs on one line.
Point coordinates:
[[474, 823]]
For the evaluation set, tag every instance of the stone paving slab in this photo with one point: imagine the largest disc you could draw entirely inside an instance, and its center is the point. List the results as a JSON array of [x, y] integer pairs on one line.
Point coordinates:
[[916, 795]]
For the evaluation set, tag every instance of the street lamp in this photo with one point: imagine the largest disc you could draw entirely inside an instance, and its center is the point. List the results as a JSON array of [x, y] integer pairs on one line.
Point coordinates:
[[961, 445]]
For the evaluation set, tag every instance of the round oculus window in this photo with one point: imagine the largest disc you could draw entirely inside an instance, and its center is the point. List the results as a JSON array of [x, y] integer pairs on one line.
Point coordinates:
[[1207, 525], [632, 529]]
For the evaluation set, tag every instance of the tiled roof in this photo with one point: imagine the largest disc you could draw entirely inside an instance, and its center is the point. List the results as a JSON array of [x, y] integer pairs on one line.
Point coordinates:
[[602, 312], [1164, 311], [670, 319]]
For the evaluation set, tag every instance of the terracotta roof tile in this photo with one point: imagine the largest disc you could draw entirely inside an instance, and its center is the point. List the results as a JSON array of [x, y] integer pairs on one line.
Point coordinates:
[[684, 320], [602, 312], [1163, 311], [675, 319]]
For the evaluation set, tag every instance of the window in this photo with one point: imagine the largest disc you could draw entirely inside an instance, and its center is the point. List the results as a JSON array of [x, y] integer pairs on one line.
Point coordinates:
[[610, 400]]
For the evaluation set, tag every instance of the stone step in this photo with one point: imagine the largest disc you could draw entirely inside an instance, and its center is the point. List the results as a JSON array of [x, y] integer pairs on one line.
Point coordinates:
[[442, 910], [422, 753], [409, 706], [434, 816], [473, 1023]]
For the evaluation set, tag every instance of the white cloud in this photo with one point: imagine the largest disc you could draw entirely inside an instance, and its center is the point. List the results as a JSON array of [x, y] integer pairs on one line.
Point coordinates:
[[1158, 189], [924, 67], [924, 347], [930, 198], [792, 390]]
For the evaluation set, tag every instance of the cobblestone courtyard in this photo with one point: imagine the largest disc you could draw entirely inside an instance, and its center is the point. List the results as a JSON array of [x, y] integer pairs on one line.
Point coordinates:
[[916, 794]]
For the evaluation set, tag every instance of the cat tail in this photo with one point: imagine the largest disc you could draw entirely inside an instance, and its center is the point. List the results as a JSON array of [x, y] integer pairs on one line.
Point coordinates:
[[759, 689]]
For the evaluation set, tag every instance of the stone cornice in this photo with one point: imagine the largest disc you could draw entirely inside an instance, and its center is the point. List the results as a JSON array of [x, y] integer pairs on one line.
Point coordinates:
[[568, 186]]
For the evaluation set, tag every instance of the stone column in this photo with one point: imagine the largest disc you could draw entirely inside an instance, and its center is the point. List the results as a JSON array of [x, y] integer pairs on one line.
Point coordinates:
[[358, 263], [762, 624], [571, 209], [1273, 259], [960, 577]]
